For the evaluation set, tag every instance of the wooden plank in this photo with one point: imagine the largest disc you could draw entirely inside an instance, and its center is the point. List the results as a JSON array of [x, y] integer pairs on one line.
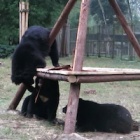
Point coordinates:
[[91, 71], [77, 66], [90, 78]]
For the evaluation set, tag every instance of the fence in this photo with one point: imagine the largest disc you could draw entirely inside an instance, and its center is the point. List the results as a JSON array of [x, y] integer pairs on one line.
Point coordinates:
[[102, 41], [107, 41]]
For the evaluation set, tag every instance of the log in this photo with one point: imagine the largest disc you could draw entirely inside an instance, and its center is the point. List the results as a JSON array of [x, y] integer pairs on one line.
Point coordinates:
[[90, 78], [77, 66], [17, 97], [106, 78]]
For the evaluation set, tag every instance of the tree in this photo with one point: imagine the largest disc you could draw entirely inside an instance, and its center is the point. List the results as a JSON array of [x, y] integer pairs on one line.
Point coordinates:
[[74, 15], [45, 12], [95, 9], [135, 11], [41, 12], [9, 19]]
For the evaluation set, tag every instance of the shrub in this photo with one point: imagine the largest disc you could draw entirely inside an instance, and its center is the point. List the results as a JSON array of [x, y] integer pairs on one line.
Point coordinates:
[[6, 50]]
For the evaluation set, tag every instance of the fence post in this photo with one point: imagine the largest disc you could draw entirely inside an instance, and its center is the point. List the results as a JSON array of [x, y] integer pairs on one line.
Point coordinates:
[[23, 17]]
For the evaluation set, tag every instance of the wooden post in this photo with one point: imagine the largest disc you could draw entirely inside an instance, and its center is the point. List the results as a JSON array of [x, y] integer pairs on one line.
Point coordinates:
[[125, 26], [77, 66], [52, 36], [23, 17], [26, 14], [20, 21], [63, 41]]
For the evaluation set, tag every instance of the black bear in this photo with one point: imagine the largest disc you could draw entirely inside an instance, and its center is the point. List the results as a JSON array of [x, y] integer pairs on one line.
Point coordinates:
[[30, 54], [44, 101], [92, 116]]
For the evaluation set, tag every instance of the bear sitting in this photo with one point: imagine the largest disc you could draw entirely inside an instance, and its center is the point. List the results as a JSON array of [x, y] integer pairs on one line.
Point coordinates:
[[30, 54], [44, 101], [92, 116]]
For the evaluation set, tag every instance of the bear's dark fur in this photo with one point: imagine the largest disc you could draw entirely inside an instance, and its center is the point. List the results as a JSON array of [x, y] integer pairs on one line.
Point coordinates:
[[30, 54], [93, 116], [46, 104]]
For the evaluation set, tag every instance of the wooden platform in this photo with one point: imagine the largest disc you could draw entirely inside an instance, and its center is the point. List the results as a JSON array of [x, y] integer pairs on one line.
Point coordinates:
[[89, 74]]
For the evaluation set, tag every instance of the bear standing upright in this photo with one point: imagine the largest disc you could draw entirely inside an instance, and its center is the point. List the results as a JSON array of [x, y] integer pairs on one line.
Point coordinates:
[[30, 54], [92, 116]]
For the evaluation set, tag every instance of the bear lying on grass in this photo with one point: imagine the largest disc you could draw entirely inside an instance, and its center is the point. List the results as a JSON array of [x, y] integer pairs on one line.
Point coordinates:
[[44, 101], [30, 54], [92, 116]]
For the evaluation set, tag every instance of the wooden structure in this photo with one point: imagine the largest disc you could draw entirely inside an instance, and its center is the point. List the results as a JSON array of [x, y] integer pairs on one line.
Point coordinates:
[[23, 17], [90, 75], [77, 74]]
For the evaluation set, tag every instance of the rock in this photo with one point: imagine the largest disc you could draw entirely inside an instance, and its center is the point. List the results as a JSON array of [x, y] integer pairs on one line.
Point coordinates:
[[73, 136]]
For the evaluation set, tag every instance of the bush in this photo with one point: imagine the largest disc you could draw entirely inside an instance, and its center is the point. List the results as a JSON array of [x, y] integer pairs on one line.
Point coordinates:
[[6, 50]]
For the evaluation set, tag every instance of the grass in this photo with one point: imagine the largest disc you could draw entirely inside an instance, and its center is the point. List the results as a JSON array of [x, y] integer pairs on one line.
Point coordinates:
[[14, 126]]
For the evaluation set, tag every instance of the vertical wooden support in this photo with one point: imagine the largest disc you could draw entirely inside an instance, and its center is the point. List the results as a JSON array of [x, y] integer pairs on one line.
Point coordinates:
[[61, 20], [23, 17], [26, 14], [20, 21], [125, 26], [63, 41], [77, 66]]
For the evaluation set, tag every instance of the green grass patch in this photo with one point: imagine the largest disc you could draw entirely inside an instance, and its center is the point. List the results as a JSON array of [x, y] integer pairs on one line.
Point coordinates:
[[126, 93]]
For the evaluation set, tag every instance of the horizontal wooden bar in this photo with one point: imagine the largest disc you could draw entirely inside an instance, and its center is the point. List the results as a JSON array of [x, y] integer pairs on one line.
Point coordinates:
[[53, 76], [90, 79], [90, 71], [106, 78]]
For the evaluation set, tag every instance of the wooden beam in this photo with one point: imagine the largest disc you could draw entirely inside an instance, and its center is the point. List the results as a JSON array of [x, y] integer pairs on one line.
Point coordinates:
[[77, 66], [125, 26], [90, 78], [106, 78], [17, 97]]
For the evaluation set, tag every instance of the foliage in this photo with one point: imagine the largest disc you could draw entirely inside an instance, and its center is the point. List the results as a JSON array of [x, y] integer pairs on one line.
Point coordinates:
[[135, 10], [109, 13], [74, 15], [9, 19], [6, 51], [42, 12]]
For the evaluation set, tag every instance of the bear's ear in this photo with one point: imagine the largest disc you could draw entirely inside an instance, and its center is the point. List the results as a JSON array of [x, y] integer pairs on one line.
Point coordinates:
[[64, 110]]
